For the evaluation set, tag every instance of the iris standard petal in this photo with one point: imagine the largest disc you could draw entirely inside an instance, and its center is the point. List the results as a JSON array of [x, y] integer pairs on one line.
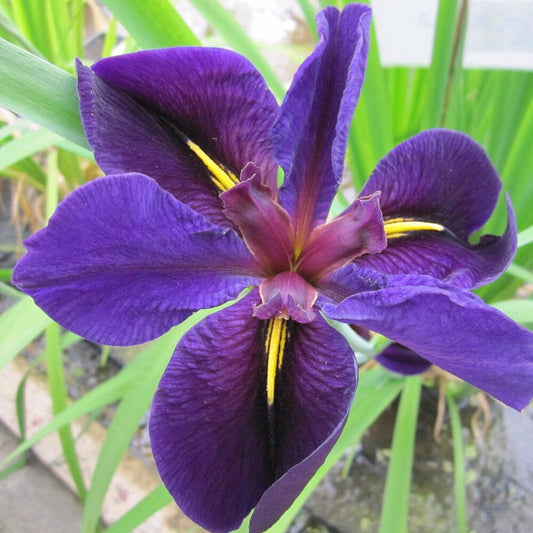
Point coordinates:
[[451, 328], [209, 422], [140, 109], [316, 389], [311, 133], [122, 261], [263, 223], [437, 188], [358, 231]]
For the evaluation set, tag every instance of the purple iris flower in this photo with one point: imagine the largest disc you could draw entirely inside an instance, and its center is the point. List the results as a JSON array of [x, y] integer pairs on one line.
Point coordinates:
[[190, 215]]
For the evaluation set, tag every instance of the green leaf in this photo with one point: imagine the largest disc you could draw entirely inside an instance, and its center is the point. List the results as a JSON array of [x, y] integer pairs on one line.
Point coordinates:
[[19, 325], [520, 311], [309, 14], [525, 237], [28, 144], [520, 272], [153, 24], [13, 33], [38, 90], [443, 46], [108, 392], [58, 394], [397, 487], [135, 402], [459, 485]]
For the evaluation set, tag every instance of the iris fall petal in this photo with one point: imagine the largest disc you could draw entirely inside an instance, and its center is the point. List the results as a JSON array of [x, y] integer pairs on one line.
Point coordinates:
[[136, 109], [122, 261], [218, 445], [451, 328]]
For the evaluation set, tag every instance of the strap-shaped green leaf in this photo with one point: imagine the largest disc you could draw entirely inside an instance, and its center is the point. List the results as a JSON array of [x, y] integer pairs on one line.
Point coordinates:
[[19, 325], [38, 90], [154, 24], [397, 487]]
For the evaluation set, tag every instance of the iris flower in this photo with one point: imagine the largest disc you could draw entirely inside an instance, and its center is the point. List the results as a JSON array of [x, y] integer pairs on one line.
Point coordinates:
[[190, 214]]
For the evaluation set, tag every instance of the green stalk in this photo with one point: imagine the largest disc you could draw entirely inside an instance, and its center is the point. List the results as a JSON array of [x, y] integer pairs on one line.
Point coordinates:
[[459, 485], [58, 395], [395, 508], [53, 353], [439, 71]]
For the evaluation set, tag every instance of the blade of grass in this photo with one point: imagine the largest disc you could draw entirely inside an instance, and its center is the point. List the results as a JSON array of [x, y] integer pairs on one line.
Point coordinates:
[[520, 311], [525, 237], [397, 487], [108, 392], [520, 272], [70, 168], [376, 390], [13, 34], [110, 40], [309, 14], [149, 505], [154, 24], [19, 124], [459, 485], [24, 14], [21, 421], [19, 325], [53, 354], [58, 395], [371, 132], [443, 46], [224, 22], [133, 406], [6, 289], [38, 90], [28, 144], [5, 274]]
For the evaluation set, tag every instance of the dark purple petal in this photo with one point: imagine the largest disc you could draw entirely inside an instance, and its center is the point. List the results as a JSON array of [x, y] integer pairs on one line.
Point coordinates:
[[451, 328], [445, 178], [316, 391], [344, 282], [446, 258], [122, 261], [137, 108], [400, 359], [311, 133], [359, 230], [209, 421], [217, 444], [263, 223]]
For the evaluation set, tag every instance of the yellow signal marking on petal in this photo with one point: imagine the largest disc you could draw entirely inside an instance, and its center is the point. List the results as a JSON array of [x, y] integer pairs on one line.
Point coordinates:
[[222, 178], [399, 227], [274, 347]]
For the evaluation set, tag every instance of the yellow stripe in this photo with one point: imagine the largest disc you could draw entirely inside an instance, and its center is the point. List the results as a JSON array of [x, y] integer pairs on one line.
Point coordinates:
[[274, 347], [399, 227], [222, 178]]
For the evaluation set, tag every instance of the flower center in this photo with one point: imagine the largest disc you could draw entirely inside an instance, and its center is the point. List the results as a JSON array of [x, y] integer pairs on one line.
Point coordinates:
[[286, 295]]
